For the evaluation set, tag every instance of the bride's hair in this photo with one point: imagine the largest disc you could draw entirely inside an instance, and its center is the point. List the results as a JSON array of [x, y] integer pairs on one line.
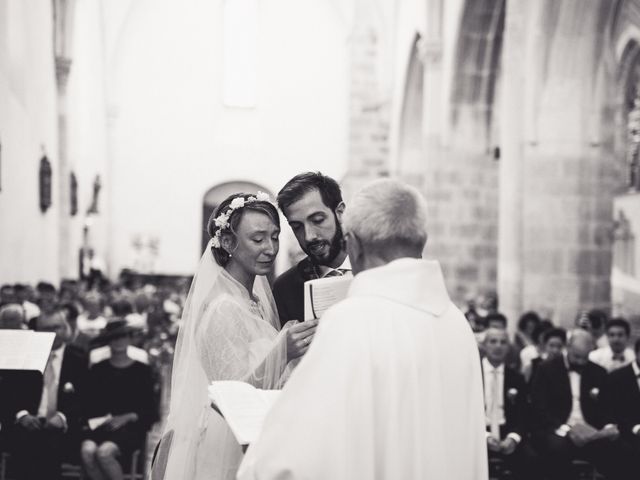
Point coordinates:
[[262, 206]]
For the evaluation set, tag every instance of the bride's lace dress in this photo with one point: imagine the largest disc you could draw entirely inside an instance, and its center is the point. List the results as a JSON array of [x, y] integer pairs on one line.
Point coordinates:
[[227, 334]]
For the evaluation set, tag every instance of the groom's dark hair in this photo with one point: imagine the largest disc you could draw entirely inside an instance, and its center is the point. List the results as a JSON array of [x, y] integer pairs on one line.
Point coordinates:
[[306, 182]]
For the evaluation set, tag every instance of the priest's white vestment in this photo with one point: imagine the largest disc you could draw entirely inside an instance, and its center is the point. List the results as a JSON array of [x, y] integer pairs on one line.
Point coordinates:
[[390, 389]]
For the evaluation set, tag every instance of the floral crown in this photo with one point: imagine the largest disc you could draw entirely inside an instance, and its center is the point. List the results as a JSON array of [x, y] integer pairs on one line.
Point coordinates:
[[222, 220]]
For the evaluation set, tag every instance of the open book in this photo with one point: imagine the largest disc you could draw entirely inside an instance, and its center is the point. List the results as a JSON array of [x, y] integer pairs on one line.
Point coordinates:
[[25, 349], [243, 406], [323, 293]]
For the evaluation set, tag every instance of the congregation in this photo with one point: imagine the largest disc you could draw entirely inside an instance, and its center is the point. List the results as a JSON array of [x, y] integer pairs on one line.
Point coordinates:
[[559, 404], [102, 390], [115, 340]]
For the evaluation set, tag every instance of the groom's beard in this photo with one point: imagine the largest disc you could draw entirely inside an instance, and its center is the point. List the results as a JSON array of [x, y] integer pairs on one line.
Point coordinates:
[[335, 247]]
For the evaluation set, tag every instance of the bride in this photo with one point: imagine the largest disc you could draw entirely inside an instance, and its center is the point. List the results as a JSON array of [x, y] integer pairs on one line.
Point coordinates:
[[229, 332]]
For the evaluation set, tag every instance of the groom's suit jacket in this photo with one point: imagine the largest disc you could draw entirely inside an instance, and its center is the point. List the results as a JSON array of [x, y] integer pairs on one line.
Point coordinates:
[[288, 290]]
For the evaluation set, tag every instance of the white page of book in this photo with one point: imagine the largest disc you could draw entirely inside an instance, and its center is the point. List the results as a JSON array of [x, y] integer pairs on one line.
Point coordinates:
[[323, 293], [25, 349], [243, 406]]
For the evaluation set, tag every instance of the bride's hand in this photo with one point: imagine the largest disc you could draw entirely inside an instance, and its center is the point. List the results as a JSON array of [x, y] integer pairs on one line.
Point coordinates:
[[299, 338]]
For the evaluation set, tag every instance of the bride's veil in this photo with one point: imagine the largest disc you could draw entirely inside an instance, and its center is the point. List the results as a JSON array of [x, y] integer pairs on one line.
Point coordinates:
[[175, 456]]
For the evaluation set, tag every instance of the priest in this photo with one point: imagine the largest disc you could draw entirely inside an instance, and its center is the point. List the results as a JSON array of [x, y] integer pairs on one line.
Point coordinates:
[[380, 392]]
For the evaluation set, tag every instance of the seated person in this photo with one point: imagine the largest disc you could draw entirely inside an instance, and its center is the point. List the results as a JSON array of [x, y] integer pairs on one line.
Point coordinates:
[[616, 354], [78, 338], [624, 402], [506, 408], [524, 336], [48, 412], [499, 321], [571, 418], [535, 349], [92, 320], [121, 393], [554, 341]]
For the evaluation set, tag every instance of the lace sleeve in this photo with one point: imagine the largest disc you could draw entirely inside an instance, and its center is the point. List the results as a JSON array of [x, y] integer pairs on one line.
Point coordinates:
[[234, 344]]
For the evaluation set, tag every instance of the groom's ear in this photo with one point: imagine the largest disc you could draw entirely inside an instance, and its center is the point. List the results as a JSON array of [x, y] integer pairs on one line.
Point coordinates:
[[340, 211]]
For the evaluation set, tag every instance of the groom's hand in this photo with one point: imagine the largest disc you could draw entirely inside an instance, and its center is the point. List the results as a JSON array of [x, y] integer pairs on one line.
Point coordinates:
[[299, 338]]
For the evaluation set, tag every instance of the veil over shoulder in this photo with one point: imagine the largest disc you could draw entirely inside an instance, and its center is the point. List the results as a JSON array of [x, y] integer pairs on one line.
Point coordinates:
[[227, 333]]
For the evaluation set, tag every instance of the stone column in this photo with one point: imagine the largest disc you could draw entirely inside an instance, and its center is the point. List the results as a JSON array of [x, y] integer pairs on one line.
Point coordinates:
[[510, 210], [65, 258]]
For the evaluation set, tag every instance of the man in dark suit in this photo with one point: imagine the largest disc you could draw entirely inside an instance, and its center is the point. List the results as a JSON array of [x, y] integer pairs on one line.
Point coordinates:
[[313, 206], [571, 416], [505, 396], [48, 410], [623, 395]]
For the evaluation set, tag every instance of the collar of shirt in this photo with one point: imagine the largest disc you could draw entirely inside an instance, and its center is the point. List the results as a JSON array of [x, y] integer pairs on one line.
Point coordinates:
[[57, 360], [488, 368], [323, 269], [636, 369]]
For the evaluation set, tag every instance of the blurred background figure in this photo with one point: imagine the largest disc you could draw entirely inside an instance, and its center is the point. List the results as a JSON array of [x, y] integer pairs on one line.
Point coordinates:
[[617, 353], [120, 392], [92, 320]]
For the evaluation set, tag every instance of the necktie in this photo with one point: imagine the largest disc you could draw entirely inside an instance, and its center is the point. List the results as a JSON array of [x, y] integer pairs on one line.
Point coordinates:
[[494, 413], [618, 357], [50, 387], [339, 272]]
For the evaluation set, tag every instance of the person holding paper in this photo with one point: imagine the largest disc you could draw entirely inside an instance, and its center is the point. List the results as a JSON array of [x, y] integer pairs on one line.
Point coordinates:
[[49, 415], [312, 204], [383, 394], [229, 332]]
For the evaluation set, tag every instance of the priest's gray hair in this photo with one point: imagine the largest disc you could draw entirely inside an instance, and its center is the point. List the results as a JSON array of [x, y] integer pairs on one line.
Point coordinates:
[[387, 213]]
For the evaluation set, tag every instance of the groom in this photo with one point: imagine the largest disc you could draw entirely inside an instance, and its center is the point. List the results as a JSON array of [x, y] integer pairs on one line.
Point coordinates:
[[313, 206]]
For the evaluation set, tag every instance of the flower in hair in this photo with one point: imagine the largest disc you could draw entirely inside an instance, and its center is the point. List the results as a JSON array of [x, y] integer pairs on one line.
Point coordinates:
[[222, 220], [236, 203]]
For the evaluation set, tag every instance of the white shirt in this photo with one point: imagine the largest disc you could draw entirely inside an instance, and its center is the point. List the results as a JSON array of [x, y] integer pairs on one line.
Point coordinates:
[[527, 355], [55, 358], [604, 357], [636, 428], [325, 270], [575, 416], [383, 395], [487, 371]]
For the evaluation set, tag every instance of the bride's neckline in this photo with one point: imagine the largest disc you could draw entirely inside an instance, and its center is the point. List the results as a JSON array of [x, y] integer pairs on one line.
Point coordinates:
[[249, 295]]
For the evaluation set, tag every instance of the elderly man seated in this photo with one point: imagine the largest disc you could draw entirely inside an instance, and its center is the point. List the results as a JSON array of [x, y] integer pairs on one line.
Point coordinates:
[[505, 394], [572, 420], [48, 414]]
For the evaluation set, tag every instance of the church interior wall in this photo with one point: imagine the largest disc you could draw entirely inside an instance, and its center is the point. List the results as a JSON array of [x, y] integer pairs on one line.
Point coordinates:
[[28, 130], [194, 142]]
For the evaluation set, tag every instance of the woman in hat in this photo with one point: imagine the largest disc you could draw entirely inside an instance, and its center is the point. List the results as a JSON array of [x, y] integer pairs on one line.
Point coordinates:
[[119, 405]]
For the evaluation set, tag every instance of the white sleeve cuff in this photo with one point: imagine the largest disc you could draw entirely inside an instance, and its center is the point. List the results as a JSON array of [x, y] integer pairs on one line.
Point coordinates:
[[636, 430], [563, 430], [21, 414], [515, 437]]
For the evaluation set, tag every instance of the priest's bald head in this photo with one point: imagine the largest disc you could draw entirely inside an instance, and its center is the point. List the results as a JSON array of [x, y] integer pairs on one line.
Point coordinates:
[[385, 220]]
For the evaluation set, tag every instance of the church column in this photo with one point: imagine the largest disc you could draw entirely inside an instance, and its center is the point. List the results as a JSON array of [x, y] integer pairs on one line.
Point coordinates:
[[511, 161], [63, 25]]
